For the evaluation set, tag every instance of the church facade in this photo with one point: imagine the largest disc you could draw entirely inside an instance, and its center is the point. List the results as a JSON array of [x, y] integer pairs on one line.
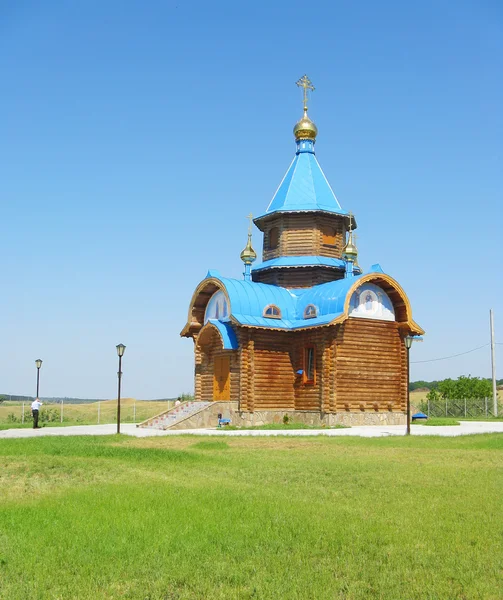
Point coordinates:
[[305, 333]]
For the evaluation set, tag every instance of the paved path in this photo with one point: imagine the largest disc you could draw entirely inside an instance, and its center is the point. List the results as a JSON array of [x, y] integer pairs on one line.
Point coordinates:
[[466, 428]]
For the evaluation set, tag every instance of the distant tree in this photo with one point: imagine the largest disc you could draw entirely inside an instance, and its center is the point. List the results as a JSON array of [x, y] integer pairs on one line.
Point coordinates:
[[415, 385]]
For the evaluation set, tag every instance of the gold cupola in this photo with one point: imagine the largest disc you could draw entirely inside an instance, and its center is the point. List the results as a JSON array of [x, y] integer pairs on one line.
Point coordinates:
[[305, 129], [350, 251], [248, 255]]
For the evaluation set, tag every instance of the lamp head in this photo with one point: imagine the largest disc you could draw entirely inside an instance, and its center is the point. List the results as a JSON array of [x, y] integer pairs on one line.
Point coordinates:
[[408, 339], [120, 349], [38, 362]]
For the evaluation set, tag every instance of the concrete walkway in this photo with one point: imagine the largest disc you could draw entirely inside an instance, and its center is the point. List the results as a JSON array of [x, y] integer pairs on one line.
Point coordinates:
[[465, 428]]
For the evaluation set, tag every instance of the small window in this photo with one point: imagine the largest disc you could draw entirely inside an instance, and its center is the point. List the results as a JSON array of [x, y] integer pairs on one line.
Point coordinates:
[[328, 236], [273, 238], [310, 312], [272, 312], [309, 375]]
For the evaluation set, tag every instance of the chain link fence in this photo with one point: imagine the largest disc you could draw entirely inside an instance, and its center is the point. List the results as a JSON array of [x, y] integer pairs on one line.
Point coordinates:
[[472, 408]]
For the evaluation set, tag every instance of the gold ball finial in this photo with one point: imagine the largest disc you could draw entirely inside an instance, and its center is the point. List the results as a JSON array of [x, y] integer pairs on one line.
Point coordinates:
[[248, 255], [350, 251], [305, 129]]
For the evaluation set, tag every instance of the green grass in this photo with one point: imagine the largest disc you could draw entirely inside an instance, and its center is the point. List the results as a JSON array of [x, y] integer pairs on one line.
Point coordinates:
[[438, 421], [485, 419], [280, 426], [263, 518]]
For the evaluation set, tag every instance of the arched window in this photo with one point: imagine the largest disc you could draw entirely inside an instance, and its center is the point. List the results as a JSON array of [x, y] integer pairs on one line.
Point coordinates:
[[310, 311], [328, 236], [272, 312], [217, 308], [273, 238]]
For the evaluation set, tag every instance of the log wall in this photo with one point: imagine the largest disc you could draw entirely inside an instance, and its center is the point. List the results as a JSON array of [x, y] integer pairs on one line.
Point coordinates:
[[298, 277], [268, 372], [204, 372], [371, 366], [305, 235], [361, 366]]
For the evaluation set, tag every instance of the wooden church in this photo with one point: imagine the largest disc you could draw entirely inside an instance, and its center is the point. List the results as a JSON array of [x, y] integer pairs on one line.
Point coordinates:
[[305, 333]]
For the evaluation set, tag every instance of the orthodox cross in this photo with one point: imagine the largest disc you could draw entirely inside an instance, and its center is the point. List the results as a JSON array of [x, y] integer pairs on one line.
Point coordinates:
[[250, 218], [305, 82], [350, 222]]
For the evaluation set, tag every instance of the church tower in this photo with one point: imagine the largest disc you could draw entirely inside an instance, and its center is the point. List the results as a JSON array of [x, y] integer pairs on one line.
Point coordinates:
[[304, 225]]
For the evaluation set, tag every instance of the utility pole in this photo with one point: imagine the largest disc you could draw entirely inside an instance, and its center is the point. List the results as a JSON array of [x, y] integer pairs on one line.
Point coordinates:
[[493, 365]]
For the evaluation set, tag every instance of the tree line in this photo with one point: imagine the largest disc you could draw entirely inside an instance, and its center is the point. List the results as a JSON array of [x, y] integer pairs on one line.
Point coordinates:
[[444, 384]]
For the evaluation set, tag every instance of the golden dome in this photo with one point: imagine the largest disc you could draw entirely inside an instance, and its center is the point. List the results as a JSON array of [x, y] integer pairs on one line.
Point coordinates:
[[305, 129], [350, 251], [248, 255]]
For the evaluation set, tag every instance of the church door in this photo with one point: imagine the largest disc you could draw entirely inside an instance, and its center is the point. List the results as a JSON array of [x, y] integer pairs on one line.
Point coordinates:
[[221, 378]]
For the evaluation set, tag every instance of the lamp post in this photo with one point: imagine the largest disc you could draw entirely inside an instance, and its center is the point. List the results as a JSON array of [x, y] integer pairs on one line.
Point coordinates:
[[408, 339], [38, 362], [120, 353]]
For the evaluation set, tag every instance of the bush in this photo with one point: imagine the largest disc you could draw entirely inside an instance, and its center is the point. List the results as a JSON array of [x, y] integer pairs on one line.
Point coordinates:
[[49, 415]]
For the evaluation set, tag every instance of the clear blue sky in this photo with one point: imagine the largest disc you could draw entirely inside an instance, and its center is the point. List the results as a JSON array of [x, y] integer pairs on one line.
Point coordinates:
[[136, 136]]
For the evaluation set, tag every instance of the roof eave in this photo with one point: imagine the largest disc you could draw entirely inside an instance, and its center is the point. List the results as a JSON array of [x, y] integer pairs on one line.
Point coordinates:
[[262, 219]]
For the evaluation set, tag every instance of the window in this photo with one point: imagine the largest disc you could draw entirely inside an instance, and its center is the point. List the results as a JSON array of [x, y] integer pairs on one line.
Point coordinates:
[[310, 311], [273, 238], [272, 312], [309, 375], [328, 236]]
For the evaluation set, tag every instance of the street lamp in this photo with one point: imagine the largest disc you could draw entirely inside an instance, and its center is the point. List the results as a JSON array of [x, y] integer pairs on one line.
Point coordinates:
[[120, 354], [408, 339], [38, 362]]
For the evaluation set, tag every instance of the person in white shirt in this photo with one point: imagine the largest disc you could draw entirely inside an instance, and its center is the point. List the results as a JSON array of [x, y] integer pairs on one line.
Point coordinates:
[[35, 407]]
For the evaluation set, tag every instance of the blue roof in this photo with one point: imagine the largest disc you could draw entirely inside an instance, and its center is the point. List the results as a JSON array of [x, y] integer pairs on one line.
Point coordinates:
[[301, 261], [229, 339], [304, 187], [248, 300]]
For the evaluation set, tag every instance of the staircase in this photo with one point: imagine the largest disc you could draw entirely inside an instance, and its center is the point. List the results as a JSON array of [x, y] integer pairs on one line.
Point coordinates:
[[171, 417]]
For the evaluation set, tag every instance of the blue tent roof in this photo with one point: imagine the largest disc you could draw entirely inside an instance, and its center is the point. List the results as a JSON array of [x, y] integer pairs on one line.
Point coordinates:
[[304, 187]]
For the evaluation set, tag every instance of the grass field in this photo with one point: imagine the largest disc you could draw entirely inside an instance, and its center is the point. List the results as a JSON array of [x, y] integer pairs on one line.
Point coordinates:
[[191, 518], [87, 414]]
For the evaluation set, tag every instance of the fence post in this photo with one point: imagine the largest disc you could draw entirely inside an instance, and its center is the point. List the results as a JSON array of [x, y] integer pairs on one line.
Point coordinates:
[[446, 407], [61, 418], [134, 412], [428, 408], [99, 412], [485, 399], [465, 408], [22, 416]]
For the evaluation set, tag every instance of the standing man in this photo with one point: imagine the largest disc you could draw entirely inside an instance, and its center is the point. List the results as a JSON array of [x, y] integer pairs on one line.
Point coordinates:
[[35, 407]]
